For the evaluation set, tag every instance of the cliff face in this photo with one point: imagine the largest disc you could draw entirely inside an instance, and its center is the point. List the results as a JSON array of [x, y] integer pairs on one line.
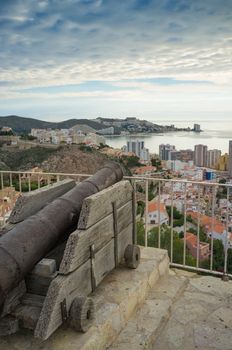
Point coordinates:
[[71, 159]]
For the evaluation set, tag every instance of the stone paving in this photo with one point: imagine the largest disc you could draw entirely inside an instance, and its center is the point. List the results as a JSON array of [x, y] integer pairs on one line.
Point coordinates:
[[180, 310], [201, 317], [116, 299]]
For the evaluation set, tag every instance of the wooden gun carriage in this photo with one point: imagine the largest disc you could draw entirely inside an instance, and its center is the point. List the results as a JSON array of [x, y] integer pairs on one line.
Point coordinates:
[[59, 287]]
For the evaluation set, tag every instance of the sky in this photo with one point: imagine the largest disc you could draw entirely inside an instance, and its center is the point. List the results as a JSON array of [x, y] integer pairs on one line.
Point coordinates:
[[153, 59]]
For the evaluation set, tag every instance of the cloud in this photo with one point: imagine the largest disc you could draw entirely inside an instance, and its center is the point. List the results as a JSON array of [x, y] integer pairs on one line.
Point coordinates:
[[47, 43]]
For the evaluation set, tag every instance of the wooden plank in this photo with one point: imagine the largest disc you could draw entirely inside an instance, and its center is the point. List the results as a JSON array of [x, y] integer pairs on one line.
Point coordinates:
[[99, 205], [134, 212], [93, 269], [38, 284], [77, 248], [13, 298], [115, 222], [31, 202], [124, 238], [78, 283], [124, 215], [105, 261], [28, 315], [62, 287], [33, 300], [28, 310], [8, 325]]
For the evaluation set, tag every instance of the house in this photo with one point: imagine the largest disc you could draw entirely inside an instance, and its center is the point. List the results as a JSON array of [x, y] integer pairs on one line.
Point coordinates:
[[157, 213], [213, 227], [147, 170], [191, 242]]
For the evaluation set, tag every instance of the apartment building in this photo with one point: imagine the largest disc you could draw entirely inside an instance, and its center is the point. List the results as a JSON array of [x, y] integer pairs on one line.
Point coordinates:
[[200, 155], [165, 151], [230, 159]]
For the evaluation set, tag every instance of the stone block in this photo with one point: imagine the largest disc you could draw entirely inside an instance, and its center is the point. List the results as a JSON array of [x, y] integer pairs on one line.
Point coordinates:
[[45, 268]]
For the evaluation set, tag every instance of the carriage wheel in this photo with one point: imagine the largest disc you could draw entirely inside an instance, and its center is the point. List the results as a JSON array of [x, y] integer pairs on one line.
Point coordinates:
[[82, 313]]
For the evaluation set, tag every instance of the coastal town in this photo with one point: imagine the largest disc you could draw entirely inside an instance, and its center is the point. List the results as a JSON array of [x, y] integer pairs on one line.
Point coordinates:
[[116, 175], [190, 181]]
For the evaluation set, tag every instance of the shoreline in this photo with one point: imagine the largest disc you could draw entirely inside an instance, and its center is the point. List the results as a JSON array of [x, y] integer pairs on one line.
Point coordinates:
[[151, 133]]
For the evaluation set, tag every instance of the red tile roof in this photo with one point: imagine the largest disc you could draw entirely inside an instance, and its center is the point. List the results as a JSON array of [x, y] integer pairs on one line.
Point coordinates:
[[144, 169], [208, 222], [154, 206]]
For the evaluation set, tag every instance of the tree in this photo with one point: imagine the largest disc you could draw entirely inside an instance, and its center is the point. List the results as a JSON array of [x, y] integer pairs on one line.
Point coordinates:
[[218, 255], [229, 260], [189, 218], [103, 145], [151, 190], [157, 163], [140, 208], [28, 137], [85, 148], [165, 243], [222, 181], [131, 161], [176, 214], [178, 222], [140, 233], [140, 189], [202, 235]]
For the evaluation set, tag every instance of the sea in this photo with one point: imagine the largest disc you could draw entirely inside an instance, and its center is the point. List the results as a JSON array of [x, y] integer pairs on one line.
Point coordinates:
[[215, 134]]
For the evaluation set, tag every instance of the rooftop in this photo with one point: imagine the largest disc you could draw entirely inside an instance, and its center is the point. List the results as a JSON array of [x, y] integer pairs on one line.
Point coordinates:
[[154, 206]]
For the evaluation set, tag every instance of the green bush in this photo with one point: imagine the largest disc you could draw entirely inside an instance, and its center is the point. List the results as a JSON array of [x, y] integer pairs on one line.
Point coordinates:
[[140, 208]]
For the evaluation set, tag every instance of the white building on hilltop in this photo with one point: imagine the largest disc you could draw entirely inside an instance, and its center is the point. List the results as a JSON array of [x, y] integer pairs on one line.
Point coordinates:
[[76, 135]]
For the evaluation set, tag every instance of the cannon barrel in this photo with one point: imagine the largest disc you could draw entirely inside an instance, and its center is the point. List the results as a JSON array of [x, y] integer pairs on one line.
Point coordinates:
[[23, 246]]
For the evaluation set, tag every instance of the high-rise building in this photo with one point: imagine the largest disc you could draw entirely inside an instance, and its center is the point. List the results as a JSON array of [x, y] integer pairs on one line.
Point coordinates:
[[223, 163], [230, 159], [200, 155], [196, 128], [137, 147], [213, 157], [165, 151]]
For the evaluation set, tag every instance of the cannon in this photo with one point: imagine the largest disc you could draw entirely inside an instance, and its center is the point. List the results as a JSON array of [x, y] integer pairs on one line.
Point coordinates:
[[51, 261]]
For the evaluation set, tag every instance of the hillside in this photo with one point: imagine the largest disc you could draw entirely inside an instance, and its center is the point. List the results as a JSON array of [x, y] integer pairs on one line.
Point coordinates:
[[68, 159], [71, 159], [24, 159], [22, 125]]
